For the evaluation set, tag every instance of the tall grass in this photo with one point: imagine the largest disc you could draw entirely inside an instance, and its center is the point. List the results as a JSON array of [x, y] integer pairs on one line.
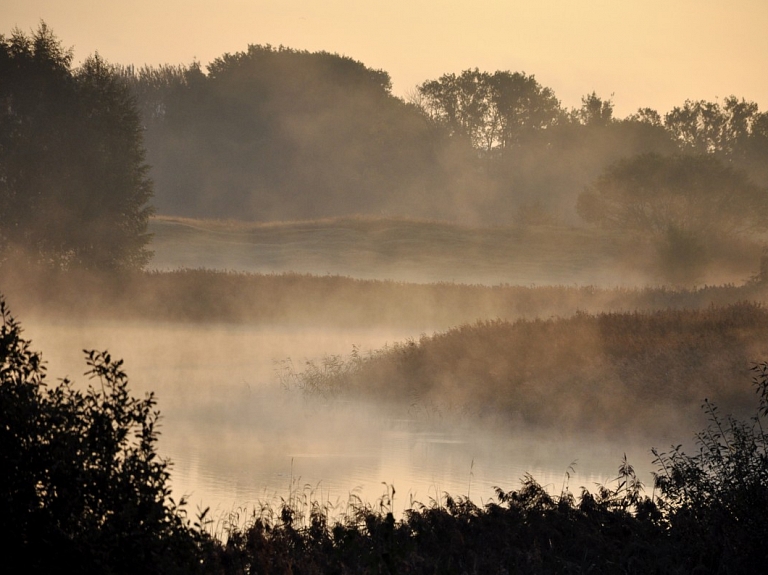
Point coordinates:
[[296, 299], [609, 372]]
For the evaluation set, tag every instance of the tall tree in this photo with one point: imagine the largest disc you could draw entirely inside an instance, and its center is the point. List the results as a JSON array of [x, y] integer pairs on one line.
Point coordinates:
[[594, 111], [463, 106], [73, 181], [494, 112], [734, 130], [524, 107]]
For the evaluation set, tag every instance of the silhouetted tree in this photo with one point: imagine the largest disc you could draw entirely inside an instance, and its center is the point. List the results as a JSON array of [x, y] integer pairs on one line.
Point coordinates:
[[594, 111], [651, 193], [83, 489], [493, 111], [275, 133], [73, 182], [735, 131]]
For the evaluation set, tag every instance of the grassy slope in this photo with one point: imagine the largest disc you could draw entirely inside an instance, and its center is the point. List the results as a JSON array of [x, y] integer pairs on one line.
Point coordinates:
[[398, 249]]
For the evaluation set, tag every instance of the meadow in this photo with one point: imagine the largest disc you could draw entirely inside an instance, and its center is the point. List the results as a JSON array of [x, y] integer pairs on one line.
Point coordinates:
[[424, 251]]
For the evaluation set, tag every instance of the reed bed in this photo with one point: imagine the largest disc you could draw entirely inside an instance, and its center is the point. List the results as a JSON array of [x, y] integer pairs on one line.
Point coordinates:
[[600, 373], [199, 295]]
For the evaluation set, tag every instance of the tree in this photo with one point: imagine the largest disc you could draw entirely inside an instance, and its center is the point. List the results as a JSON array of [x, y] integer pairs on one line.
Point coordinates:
[[524, 106], [276, 133], [688, 206], [594, 111], [652, 193], [734, 130], [707, 127], [82, 487], [493, 111], [716, 500], [73, 182], [463, 106]]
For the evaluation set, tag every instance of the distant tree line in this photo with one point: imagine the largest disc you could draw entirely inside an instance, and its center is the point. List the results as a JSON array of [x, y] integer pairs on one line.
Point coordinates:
[[276, 133]]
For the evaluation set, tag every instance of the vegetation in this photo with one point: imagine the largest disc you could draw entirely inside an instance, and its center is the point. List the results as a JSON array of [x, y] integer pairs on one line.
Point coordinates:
[[301, 299], [686, 203], [84, 491], [616, 373], [275, 133], [705, 515], [73, 182], [493, 112]]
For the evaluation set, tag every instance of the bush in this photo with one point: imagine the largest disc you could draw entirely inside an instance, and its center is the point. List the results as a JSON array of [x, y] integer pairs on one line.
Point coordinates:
[[82, 486], [716, 501]]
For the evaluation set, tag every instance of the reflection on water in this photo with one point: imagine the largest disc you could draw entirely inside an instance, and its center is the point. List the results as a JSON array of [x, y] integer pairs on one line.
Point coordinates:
[[236, 437]]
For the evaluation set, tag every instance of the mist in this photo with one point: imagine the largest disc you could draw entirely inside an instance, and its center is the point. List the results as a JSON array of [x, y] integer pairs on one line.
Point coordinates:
[[239, 438]]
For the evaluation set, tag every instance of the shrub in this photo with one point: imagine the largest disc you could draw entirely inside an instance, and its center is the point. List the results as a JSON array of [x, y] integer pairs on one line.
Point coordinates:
[[716, 500], [82, 487]]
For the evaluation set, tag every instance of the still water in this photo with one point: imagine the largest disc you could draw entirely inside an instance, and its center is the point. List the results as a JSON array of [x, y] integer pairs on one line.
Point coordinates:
[[238, 438]]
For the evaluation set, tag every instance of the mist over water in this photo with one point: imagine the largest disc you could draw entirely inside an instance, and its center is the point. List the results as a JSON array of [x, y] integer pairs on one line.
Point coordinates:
[[237, 437]]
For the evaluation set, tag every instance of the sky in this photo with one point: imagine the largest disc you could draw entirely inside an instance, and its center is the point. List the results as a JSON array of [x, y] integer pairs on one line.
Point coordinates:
[[639, 53]]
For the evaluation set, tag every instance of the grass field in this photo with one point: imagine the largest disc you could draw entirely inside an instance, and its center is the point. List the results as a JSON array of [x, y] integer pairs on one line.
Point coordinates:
[[420, 251]]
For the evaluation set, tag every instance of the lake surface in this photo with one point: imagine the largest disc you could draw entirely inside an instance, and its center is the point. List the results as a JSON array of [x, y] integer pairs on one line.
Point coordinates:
[[237, 437]]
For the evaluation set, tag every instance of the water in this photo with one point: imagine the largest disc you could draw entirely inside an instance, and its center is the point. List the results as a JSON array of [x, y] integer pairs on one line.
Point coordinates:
[[238, 438]]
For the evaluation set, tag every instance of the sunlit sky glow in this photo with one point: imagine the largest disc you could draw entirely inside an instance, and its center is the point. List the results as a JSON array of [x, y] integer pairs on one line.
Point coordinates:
[[654, 53]]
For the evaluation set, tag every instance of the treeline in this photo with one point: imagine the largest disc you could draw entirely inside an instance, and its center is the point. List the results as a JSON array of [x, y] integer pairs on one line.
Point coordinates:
[[275, 133]]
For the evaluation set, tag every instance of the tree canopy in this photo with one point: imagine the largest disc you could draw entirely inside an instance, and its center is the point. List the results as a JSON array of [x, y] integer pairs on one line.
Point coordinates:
[[74, 186], [493, 111], [275, 133], [691, 193]]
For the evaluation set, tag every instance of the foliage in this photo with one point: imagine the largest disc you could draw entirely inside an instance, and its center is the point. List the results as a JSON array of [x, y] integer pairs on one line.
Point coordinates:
[[73, 182], [716, 500], [706, 515], [496, 111], [709, 127], [734, 130], [596, 374], [82, 487], [273, 133], [594, 111], [651, 193]]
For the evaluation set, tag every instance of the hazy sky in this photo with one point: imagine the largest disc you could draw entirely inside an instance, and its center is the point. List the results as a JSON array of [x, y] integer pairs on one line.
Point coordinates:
[[651, 53]]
